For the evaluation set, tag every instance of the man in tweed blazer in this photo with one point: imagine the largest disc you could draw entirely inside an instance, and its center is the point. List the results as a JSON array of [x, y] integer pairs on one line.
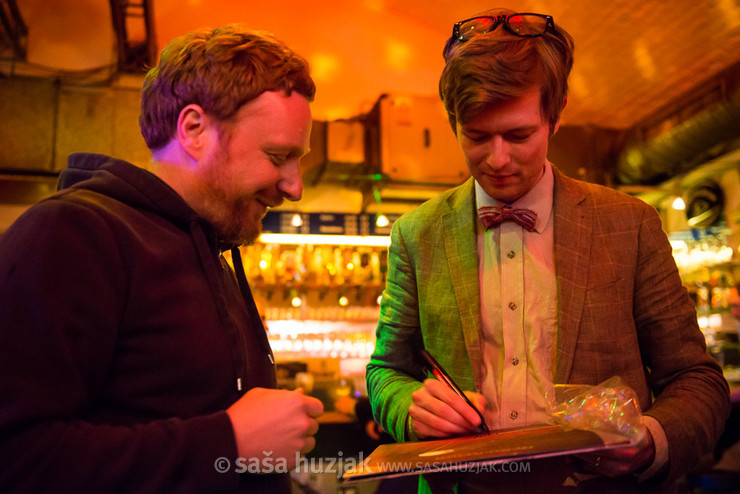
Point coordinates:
[[620, 307]]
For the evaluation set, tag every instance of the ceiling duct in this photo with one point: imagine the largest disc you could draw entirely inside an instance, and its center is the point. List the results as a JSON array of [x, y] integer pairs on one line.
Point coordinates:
[[681, 148], [133, 25], [13, 31]]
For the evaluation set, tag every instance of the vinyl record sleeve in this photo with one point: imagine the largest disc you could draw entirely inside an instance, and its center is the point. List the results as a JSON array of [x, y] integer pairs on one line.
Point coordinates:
[[469, 452]]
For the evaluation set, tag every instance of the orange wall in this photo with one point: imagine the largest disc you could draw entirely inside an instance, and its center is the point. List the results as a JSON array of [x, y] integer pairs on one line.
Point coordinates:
[[352, 62]]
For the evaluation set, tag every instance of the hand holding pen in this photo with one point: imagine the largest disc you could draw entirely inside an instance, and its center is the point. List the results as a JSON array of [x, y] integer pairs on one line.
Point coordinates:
[[441, 409]]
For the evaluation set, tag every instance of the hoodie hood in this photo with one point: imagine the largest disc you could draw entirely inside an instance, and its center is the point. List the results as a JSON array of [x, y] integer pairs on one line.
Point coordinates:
[[80, 166], [129, 184]]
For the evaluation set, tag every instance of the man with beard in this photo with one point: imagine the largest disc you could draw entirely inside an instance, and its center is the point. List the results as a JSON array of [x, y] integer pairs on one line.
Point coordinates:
[[132, 356]]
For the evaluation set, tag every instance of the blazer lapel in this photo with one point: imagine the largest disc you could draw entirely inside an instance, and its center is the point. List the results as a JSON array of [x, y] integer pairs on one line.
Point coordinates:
[[573, 225], [459, 225]]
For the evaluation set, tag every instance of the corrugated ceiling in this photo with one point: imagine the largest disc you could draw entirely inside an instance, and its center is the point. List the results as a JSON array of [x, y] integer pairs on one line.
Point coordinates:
[[633, 57]]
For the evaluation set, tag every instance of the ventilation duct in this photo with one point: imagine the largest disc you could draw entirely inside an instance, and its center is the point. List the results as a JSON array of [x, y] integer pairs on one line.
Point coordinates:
[[681, 148], [13, 30]]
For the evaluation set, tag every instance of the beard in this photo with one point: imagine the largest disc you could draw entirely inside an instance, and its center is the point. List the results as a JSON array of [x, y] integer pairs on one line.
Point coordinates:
[[232, 218], [231, 212]]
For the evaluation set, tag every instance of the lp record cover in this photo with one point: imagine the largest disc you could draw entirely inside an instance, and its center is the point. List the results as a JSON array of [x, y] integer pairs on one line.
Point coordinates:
[[459, 453]]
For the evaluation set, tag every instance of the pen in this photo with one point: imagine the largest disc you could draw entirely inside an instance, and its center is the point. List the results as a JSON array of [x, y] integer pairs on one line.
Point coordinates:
[[441, 375]]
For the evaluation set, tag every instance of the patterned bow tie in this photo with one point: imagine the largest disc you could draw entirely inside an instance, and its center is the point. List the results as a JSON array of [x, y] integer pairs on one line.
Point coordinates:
[[492, 216]]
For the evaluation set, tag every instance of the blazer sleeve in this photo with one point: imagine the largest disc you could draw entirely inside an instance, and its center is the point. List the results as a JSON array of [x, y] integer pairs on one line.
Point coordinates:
[[691, 395], [393, 373]]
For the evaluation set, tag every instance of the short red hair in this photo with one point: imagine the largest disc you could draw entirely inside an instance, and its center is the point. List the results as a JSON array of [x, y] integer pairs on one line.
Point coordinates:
[[219, 69]]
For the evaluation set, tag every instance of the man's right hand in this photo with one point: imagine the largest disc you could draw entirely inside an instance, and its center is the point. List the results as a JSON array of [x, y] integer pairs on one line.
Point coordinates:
[[437, 411], [275, 423]]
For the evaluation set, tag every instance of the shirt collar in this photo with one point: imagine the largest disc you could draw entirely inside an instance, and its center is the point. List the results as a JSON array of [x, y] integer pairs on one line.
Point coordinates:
[[538, 198]]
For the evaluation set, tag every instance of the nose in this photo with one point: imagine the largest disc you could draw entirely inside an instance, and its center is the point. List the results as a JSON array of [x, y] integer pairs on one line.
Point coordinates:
[[498, 153], [290, 184]]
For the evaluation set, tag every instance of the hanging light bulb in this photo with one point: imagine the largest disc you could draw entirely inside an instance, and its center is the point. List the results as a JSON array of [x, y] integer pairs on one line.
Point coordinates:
[[382, 220], [296, 220], [678, 204]]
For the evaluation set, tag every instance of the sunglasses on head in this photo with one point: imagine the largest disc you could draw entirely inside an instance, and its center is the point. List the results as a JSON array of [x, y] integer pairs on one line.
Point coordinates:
[[525, 25]]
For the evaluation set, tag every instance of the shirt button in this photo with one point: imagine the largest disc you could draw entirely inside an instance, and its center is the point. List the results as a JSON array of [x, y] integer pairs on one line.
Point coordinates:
[[512, 306], [514, 414], [511, 254], [515, 361]]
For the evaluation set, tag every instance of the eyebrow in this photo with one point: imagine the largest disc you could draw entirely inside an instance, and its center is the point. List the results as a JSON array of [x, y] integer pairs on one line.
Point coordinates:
[[283, 148], [522, 128]]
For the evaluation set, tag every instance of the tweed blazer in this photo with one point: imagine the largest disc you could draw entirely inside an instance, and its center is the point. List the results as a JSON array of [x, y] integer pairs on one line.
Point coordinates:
[[622, 311]]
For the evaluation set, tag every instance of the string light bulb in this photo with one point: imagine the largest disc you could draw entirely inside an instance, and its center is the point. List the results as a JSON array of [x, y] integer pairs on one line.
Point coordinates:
[[382, 220], [678, 204]]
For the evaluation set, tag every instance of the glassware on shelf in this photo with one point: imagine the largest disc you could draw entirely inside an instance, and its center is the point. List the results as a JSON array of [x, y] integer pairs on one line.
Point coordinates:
[[296, 339], [314, 266], [691, 256], [321, 301]]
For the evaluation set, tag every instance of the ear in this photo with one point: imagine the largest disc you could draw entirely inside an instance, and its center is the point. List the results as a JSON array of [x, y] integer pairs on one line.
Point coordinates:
[[192, 127]]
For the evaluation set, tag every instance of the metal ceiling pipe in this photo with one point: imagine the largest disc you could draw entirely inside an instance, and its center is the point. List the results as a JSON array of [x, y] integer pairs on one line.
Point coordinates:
[[681, 148]]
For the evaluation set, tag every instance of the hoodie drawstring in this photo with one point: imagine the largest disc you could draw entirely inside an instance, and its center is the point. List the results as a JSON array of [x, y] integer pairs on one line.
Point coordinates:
[[254, 314], [210, 268]]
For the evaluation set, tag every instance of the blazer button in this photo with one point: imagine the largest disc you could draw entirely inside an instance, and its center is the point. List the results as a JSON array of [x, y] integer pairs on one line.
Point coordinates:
[[512, 306], [514, 414], [515, 361], [511, 254]]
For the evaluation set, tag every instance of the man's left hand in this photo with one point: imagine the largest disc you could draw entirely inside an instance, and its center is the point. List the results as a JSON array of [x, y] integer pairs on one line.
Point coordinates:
[[622, 461]]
